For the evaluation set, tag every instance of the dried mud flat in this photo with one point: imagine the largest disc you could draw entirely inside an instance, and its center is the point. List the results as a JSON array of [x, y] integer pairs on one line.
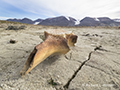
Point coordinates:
[[93, 64]]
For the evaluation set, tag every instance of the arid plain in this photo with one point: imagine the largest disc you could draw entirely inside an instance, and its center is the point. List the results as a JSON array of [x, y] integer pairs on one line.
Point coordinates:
[[93, 64]]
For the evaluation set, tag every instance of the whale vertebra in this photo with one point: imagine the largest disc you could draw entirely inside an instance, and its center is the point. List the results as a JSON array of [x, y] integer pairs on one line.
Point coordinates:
[[54, 43]]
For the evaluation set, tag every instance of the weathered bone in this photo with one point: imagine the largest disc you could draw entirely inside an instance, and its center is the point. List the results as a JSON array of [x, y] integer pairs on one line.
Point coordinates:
[[55, 43]]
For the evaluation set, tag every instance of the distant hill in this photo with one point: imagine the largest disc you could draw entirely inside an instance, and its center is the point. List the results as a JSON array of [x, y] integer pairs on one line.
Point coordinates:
[[59, 21], [37, 21], [69, 21], [102, 21], [24, 20]]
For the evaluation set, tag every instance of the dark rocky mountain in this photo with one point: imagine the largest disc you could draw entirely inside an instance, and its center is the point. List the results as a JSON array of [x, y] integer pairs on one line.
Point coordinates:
[[102, 21], [116, 20], [88, 21], [37, 21], [105, 21], [69, 21], [59, 21], [24, 20], [14, 20]]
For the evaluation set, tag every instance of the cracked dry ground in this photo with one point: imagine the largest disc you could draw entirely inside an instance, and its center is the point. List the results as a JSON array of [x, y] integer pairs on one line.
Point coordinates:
[[94, 64]]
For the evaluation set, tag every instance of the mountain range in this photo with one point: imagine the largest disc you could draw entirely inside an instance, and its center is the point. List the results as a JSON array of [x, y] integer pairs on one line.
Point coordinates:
[[69, 21], [25, 20]]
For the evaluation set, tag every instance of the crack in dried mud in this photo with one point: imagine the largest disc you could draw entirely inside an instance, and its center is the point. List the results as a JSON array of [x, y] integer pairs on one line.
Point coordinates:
[[75, 73], [66, 86]]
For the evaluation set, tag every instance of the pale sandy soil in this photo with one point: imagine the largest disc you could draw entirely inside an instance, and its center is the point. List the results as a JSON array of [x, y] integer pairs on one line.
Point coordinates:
[[93, 69]]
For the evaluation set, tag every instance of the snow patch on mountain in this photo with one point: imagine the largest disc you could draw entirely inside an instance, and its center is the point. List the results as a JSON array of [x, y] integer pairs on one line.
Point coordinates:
[[117, 20], [77, 22], [96, 19], [36, 23], [67, 18]]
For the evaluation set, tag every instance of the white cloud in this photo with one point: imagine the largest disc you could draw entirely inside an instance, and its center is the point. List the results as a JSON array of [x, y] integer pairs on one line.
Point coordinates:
[[82, 8], [74, 8]]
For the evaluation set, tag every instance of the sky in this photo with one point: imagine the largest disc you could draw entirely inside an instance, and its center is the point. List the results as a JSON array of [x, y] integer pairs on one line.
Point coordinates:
[[43, 9]]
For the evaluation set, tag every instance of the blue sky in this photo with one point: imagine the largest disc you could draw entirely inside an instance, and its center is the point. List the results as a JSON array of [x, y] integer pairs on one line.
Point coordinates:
[[78, 9]]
